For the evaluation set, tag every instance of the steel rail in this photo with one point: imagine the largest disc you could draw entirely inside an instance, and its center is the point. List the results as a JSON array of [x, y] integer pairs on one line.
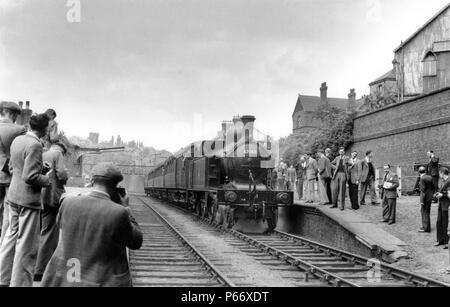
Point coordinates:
[[409, 277], [217, 274]]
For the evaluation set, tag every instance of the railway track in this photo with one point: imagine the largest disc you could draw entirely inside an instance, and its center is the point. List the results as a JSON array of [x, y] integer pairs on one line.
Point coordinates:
[[329, 265], [337, 267], [167, 258]]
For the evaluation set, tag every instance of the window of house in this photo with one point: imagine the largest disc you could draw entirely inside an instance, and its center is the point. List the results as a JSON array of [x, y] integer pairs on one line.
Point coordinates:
[[430, 65], [299, 121]]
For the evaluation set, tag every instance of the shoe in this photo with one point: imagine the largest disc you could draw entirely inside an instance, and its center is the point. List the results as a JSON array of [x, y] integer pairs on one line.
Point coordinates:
[[333, 207], [422, 230], [391, 223], [376, 204], [384, 222], [438, 244], [445, 247], [37, 277]]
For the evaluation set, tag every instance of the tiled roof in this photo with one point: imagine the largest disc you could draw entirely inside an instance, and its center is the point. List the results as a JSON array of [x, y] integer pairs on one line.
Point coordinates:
[[310, 103], [390, 75]]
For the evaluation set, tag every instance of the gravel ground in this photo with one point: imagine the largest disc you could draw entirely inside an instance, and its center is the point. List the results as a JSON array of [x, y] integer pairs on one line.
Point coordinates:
[[425, 258]]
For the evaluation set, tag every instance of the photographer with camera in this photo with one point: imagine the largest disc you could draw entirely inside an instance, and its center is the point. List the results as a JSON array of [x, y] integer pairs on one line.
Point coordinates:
[[53, 159], [20, 245], [95, 233]]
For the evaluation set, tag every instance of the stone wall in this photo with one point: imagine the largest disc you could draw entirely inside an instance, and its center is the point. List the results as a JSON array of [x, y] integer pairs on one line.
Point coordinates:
[[401, 134]]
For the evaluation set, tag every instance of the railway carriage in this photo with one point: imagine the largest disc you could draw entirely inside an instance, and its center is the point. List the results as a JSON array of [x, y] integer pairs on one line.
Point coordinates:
[[225, 179]]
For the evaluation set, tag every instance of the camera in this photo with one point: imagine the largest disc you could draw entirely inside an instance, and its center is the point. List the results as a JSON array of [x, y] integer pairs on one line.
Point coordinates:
[[119, 194], [46, 167]]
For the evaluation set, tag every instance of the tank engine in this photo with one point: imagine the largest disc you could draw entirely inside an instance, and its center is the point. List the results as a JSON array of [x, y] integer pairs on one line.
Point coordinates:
[[225, 179]]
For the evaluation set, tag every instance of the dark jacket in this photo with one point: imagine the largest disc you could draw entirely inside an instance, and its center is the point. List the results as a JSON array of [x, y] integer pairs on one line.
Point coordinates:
[[427, 189], [390, 193], [325, 168], [51, 195], [8, 132], [96, 232], [27, 179], [444, 202], [433, 167]]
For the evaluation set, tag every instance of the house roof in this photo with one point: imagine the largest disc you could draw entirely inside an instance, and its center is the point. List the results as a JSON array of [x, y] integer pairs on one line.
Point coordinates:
[[311, 103], [390, 75], [423, 27]]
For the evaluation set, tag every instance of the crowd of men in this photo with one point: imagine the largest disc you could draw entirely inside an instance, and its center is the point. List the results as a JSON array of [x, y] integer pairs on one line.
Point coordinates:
[[331, 177], [47, 235]]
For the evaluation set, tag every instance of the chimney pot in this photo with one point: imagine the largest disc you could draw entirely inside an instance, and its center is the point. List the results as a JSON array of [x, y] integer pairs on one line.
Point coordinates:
[[324, 92], [352, 99], [27, 105], [21, 104]]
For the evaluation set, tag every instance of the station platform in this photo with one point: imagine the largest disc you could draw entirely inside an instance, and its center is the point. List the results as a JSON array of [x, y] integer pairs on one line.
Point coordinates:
[[400, 244]]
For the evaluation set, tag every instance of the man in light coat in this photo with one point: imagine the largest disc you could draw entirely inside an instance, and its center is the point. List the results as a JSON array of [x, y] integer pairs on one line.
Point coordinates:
[[9, 111], [324, 165], [95, 235], [311, 177], [19, 248], [50, 200]]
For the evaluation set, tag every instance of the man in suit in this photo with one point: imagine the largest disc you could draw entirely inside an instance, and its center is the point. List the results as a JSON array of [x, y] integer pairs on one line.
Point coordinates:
[[353, 180], [389, 195], [340, 179], [367, 180], [324, 174], [311, 177], [95, 232], [291, 178], [50, 200], [301, 175], [444, 203], [433, 169], [20, 245], [328, 180], [9, 111], [426, 197]]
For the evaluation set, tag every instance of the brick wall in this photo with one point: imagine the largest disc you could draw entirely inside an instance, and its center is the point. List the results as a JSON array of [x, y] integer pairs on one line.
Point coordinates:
[[402, 134]]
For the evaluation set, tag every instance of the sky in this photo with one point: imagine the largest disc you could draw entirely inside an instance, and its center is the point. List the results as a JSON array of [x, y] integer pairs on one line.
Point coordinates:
[[168, 72]]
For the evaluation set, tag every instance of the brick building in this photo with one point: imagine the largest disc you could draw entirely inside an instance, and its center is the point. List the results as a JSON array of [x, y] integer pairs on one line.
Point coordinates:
[[402, 133], [304, 119]]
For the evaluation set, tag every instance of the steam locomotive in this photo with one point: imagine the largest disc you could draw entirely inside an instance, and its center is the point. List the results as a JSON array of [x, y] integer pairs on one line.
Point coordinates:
[[226, 179]]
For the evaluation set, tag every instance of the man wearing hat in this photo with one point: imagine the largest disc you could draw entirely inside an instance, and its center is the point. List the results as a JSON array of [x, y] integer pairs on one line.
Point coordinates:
[[9, 111], [50, 200], [95, 232]]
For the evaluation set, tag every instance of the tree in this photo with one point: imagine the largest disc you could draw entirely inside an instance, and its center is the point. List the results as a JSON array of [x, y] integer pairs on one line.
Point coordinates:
[[337, 130]]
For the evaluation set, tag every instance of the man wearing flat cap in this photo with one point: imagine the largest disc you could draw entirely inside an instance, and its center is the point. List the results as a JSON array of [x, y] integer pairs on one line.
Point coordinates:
[[9, 111], [95, 232], [50, 200]]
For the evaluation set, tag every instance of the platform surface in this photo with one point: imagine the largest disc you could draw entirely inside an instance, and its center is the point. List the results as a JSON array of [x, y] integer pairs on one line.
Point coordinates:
[[366, 223], [363, 228]]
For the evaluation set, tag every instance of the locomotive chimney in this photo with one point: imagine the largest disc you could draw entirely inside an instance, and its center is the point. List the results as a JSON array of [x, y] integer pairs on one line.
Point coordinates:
[[248, 121]]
